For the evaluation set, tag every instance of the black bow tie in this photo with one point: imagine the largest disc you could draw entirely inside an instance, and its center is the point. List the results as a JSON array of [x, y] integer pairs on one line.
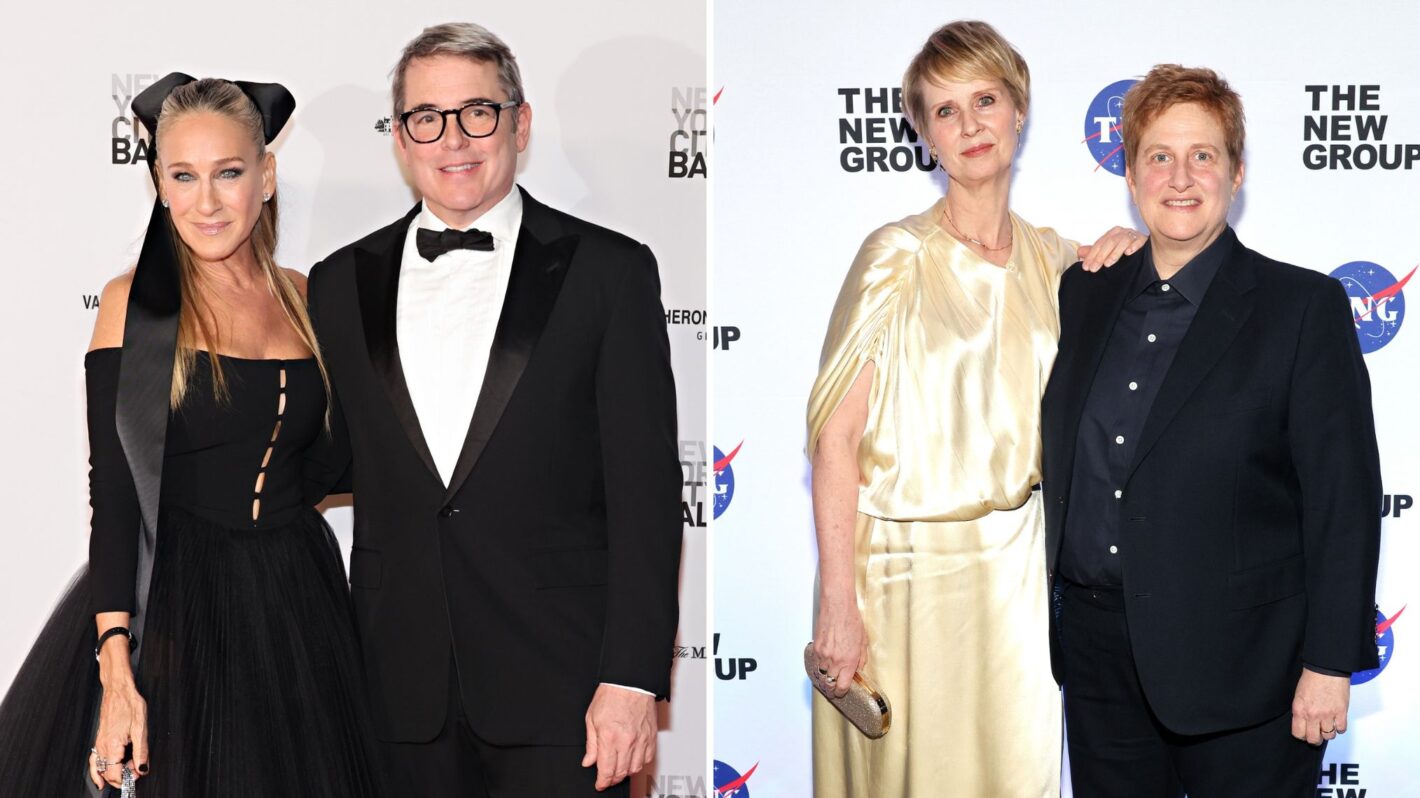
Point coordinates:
[[432, 244]]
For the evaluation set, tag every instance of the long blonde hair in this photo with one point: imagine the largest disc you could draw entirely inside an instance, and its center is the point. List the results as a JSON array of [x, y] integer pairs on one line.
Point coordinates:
[[196, 326]]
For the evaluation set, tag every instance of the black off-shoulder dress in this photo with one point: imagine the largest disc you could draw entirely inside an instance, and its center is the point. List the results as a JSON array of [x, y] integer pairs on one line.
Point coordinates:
[[249, 661]]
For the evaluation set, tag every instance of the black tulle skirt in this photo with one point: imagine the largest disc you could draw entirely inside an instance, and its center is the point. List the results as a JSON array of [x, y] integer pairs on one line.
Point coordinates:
[[249, 667]]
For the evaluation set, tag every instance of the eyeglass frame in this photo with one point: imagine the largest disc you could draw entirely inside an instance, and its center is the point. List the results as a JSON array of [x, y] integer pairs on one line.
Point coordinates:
[[457, 112]]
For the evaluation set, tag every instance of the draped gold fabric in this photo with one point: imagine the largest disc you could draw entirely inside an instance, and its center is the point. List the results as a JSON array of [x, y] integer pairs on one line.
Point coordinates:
[[949, 537]]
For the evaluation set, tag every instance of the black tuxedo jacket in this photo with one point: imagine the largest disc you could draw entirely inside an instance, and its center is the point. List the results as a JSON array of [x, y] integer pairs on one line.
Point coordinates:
[[1250, 521], [550, 563]]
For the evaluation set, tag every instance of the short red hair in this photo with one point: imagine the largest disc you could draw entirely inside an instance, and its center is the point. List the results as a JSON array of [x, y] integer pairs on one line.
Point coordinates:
[[1168, 85]]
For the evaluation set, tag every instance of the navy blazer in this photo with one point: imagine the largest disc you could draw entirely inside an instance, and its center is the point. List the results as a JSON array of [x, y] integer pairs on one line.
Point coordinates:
[[1250, 528]]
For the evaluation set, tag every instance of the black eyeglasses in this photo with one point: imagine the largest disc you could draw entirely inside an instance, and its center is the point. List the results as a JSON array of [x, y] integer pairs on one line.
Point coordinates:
[[477, 120]]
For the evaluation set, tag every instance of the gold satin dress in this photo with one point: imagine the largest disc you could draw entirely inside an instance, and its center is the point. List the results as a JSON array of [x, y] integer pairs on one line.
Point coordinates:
[[950, 549]]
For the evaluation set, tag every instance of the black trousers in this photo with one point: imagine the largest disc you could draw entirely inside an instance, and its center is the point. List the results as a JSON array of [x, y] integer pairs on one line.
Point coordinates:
[[1119, 749], [460, 764]]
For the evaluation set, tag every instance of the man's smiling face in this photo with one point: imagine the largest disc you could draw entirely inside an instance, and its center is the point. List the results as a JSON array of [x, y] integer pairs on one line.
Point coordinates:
[[460, 177]]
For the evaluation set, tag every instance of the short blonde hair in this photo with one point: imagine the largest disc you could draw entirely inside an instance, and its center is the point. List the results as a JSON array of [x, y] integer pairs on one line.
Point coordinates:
[[1168, 85], [965, 50]]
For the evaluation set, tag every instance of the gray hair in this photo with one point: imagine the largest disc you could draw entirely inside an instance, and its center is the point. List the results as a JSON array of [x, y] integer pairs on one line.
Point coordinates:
[[461, 39]]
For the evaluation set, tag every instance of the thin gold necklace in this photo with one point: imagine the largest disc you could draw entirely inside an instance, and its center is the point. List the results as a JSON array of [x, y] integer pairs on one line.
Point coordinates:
[[948, 213]]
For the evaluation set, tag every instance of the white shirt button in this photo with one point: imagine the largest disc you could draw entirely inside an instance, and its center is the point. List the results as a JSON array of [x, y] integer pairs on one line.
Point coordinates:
[[1119, 439], [1164, 287], [1119, 494], [1133, 386], [1153, 338], [1113, 549]]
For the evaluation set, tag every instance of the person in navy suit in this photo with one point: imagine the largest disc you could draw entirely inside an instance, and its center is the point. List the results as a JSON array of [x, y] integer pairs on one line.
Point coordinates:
[[1212, 485]]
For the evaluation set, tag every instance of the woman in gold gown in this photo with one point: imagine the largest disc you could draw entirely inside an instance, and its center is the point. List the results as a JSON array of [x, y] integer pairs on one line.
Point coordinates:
[[924, 433]]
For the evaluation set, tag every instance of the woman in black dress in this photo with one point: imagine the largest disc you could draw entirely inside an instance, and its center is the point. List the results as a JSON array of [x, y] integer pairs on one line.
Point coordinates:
[[209, 438]]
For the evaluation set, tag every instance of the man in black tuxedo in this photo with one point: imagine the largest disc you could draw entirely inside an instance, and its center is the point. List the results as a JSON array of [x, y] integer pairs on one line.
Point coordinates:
[[1212, 485], [511, 415]]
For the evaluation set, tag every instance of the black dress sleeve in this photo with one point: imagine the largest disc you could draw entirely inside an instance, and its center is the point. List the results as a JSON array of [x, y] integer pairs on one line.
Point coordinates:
[[326, 466], [113, 535]]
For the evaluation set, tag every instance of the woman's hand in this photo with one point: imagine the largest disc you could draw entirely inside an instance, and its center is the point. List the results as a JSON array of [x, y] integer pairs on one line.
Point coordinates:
[[123, 718], [840, 643], [1110, 247]]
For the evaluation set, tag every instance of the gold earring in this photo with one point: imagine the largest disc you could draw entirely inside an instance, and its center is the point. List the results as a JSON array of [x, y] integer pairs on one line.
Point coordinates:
[[1020, 125]]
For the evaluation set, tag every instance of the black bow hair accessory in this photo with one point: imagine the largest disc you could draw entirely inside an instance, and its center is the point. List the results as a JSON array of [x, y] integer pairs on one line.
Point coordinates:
[[272, 99]]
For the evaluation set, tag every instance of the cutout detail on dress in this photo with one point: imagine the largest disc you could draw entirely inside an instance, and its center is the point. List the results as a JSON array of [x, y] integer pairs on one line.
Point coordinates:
[[266, 459]]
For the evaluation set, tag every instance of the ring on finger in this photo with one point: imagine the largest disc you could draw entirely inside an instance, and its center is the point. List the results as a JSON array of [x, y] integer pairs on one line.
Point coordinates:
[[99, 761]]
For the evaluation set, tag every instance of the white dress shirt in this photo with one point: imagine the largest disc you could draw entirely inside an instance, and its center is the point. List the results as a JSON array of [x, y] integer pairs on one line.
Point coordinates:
[[445, 316]]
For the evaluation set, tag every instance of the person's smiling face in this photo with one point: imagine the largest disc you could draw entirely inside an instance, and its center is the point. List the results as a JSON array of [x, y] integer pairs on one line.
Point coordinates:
[[460, 177], [1183, 180], [213, 176]]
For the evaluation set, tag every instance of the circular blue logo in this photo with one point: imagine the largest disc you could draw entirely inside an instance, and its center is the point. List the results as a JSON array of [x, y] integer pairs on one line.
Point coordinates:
[[729, 783], [1377, 301], [1104, 127], [724, 479], [1385, 646]]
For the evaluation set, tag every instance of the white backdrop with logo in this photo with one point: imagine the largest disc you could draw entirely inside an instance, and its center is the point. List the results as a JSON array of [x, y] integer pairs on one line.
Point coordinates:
[[611, 87], [807, 161]]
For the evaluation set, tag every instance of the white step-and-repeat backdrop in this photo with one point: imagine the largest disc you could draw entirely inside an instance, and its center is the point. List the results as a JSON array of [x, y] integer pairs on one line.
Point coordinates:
[[812, 154], [619, 138]]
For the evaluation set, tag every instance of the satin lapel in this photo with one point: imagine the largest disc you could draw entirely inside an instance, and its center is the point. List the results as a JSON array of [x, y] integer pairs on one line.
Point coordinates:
[[540, 264], [1099, 309], [1225, 307], [377, 280]]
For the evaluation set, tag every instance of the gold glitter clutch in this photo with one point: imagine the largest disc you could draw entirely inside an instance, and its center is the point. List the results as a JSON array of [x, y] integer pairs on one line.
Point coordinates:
[[863, 706]]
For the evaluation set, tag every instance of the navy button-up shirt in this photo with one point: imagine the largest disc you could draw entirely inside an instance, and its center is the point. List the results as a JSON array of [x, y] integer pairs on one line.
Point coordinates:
[[1151, 325]]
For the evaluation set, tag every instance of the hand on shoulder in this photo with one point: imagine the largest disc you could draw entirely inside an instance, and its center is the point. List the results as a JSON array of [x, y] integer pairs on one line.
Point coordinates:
[[1113, 245], [113, 309]]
